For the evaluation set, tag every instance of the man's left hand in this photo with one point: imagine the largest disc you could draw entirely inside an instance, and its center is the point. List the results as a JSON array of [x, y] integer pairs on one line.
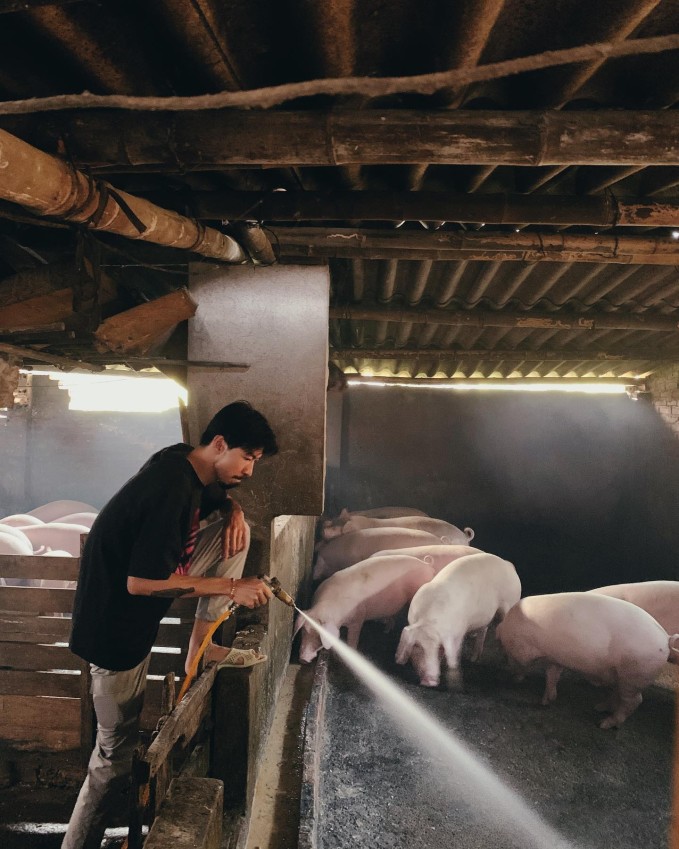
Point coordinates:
[[234, 532]]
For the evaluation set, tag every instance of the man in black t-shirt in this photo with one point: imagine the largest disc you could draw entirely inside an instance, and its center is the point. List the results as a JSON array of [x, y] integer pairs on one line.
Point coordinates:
[[171, 531]]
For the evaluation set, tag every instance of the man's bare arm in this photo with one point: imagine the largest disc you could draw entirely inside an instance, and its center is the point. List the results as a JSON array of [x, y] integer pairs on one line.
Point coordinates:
[[250, 592]]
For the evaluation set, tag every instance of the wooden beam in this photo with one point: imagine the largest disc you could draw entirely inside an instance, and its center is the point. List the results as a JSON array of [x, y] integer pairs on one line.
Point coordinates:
[[164, 141], [496, 247], [30, 354], [534, 320], [137, 330], [602, 211], [7, 6], [485, 381], [510, 354]]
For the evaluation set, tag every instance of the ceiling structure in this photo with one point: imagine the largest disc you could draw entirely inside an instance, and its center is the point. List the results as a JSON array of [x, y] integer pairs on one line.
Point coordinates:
[[493, 183]]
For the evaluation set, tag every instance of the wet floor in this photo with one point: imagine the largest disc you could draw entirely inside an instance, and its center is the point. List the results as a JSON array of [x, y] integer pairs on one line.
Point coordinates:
[[598, 788]]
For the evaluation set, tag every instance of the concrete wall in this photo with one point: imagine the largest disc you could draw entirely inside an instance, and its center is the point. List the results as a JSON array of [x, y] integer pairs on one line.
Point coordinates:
[[50, 452], [576, 490]]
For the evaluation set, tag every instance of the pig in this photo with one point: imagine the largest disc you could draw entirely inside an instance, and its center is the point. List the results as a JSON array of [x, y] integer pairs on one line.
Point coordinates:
[[86, 519], [437, 556], [333, 527], [611, 642], [56, 535], [18, 520], [465, 596], [15, 544], [350, 548], [659, 598], [54, 510], [374, 588], [446, 532], [381, 513]]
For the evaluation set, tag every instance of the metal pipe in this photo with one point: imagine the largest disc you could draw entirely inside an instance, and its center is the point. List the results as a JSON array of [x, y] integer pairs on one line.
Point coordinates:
[[49, 186]]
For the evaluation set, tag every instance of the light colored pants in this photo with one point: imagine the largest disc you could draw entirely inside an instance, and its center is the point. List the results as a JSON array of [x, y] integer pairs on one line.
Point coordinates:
[[118, 700]]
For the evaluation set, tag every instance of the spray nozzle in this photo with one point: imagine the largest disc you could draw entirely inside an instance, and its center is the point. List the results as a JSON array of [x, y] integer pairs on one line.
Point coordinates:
[[275, 586]]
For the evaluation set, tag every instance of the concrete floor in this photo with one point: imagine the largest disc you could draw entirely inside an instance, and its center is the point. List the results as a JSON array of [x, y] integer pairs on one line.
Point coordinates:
[[598, 788]]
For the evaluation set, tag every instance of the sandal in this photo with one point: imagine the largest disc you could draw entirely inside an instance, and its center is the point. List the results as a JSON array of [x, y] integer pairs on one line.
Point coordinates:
[[240, 658]]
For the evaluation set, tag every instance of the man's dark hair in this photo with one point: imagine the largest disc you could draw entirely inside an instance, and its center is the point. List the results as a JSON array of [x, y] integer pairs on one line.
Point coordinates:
[[242, 427]]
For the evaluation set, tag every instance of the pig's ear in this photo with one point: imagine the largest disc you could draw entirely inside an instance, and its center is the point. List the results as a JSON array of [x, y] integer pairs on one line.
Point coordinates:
[[344, 515], [469, 532], [331, 629], [405, 646], [674, 647]]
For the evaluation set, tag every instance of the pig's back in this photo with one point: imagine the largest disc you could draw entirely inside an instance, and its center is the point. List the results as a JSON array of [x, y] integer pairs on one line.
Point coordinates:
[[374, 576], [348, 549], [658, 598]]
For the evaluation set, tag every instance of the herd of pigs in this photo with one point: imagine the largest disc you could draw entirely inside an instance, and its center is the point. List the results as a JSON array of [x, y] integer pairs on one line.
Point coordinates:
[[373, 563], [52, 529]]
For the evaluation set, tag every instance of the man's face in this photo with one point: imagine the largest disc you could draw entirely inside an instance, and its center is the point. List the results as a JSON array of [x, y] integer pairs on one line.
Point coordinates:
[[234, 465]]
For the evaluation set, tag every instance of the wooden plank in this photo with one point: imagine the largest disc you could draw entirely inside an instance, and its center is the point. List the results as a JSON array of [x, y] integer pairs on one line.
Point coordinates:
[[48, 568], [42, 310], [88, 720], [22, 720], [135, 331], [431, 206], [19, 683], [508, 318], [29, 656], [453, 245], [184, 721], [36, 600], [27, 628]]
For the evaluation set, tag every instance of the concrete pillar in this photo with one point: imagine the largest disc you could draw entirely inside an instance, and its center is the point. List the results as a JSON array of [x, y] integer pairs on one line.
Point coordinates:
[[276, 320]]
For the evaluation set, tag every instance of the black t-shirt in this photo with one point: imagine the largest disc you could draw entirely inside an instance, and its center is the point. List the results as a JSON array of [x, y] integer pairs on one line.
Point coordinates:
[[141, 532]]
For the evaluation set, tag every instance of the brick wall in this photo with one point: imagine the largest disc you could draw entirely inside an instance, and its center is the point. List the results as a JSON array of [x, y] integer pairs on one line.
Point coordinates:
[[9, 381], [664, 388]]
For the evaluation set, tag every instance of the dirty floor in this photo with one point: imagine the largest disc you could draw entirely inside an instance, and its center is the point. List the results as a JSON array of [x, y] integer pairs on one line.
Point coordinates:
[[597, 788]]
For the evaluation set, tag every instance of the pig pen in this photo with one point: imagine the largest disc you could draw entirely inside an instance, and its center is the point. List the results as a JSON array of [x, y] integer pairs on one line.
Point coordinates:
[[365, 783]]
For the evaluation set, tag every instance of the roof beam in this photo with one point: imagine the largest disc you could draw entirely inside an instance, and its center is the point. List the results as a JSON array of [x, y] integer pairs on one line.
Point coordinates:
[[495, 247], [509, 354], [532, 320], [190, 141], [601, 211]]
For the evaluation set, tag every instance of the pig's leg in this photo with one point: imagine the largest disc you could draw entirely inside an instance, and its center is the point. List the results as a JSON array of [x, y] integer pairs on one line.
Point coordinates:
[[353, 634], [451, 650], [552, 675], [479, 641], [629, 699]]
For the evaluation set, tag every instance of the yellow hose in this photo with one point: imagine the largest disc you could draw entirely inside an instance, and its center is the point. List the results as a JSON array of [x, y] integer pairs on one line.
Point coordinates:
[[191, 674]]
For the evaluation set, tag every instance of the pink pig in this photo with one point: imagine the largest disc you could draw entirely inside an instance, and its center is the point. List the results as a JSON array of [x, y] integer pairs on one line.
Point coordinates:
[[351, 548], [447, 533], [659, 598], [611, 642], [375, 588], [465, 597]]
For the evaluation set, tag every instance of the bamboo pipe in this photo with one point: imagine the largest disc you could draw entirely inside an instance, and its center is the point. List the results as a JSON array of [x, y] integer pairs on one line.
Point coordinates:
[[49, 186]]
